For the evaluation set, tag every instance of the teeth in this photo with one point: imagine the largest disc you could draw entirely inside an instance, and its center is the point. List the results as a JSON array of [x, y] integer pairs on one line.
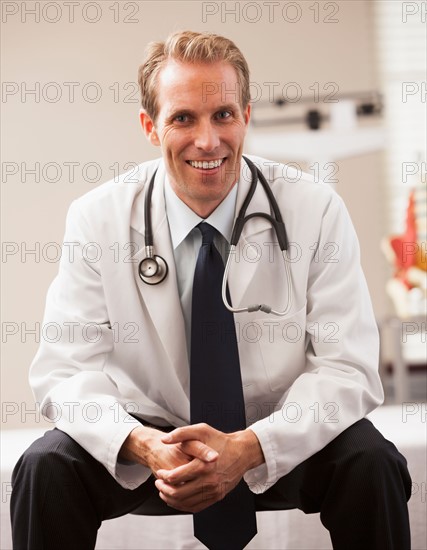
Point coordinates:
[[206, 165]]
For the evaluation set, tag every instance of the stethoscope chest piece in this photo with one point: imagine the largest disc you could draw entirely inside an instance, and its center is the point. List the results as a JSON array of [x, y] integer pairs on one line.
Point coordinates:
[[152, 270]]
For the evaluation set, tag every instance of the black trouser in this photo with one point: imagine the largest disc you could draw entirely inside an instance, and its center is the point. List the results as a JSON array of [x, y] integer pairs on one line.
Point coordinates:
[[359, 483]]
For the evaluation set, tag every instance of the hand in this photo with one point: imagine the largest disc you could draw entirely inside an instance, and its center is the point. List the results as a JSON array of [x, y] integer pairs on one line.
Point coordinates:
[[194, 486], [145, 446]]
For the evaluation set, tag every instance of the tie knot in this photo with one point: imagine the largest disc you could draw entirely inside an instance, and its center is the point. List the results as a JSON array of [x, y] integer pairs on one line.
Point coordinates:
[[207, 231]]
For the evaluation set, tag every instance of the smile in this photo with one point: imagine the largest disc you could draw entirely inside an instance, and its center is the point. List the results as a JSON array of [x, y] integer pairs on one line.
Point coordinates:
[[206, 164]]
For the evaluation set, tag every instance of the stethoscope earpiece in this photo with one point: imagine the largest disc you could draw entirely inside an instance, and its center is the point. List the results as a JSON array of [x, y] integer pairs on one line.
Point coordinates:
[[153, 270]]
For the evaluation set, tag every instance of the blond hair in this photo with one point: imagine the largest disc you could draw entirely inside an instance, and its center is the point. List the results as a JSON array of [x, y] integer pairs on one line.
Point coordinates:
[[189, 47]]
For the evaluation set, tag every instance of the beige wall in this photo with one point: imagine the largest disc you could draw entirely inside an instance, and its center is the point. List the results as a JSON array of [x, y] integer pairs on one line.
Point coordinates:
[[106, 132]]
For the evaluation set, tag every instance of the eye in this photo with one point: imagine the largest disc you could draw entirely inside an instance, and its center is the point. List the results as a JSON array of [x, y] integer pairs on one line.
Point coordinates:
[[223, 114], [181, 118]]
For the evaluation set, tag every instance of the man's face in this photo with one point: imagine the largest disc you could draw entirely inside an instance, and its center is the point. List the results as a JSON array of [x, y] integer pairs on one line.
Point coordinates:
[[200, 128]]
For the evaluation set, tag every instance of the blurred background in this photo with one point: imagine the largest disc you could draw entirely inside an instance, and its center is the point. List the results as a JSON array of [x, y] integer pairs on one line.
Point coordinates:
[[339, 90]]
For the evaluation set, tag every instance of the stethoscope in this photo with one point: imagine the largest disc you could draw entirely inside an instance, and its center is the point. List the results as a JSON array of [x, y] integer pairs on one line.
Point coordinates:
[[153, 269]]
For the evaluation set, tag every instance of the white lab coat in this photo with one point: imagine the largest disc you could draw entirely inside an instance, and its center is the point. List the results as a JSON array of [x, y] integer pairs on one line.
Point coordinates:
[[111, 341]]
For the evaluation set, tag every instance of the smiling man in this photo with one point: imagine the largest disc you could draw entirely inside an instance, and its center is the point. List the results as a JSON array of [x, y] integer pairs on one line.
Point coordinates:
[[197, 409], [201, 133]]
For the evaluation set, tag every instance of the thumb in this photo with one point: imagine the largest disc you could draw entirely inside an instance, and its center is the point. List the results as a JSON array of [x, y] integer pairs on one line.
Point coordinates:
[[199, 450]]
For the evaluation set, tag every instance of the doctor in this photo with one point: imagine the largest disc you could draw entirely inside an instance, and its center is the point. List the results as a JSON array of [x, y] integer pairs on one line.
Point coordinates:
[[119, 377]]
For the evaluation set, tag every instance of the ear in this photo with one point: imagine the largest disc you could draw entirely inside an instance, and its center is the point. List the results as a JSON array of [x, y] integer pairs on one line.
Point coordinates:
[[247, 114], [148, 128]]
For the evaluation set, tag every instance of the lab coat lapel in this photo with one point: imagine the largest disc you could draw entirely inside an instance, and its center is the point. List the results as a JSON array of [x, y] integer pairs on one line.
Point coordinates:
[[162, 300], [255, 233]]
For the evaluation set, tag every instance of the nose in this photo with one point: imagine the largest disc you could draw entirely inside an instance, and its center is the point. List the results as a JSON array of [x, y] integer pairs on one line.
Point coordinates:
[[206, 137]]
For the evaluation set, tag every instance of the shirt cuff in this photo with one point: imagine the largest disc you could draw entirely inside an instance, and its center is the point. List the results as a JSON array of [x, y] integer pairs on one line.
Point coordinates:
[[264, 476], [128, 474], [132, 476]]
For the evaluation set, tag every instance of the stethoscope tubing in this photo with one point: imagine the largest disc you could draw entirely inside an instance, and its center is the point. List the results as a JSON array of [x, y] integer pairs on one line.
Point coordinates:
[[153, 269], [257, 307]]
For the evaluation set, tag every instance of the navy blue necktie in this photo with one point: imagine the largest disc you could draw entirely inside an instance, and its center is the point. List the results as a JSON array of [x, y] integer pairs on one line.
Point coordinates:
[[216, 395]]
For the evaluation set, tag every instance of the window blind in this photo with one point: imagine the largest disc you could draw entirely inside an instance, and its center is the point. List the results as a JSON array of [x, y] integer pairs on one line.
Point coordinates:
[[401, 45]]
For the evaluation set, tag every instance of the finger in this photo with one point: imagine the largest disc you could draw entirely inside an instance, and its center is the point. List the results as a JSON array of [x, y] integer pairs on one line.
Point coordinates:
[[178, 493], [199, 450], [185, 473], [196, 431], [192, 499], [186, 495]]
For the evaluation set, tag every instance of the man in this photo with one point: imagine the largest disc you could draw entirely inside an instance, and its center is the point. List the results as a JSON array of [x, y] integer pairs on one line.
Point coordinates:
[[124, 376]]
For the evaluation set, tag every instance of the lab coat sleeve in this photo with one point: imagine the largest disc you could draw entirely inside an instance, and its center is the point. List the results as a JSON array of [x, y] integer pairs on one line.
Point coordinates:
[[340, 383], [67, 375]]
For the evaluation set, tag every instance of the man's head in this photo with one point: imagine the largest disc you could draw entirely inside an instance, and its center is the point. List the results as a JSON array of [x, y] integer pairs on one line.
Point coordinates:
[[189, 47], [195, 106]]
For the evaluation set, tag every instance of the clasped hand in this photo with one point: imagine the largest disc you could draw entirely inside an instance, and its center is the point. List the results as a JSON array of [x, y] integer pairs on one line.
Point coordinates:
[[196, 465]]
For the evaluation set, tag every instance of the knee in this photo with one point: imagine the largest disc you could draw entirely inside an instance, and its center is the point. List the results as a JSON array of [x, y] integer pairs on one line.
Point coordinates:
[[362, 455], [44, 458], [381, 466], [378, 455]]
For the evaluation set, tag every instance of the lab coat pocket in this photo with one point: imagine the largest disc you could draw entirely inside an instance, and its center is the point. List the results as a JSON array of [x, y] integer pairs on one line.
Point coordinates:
[[282, 344]]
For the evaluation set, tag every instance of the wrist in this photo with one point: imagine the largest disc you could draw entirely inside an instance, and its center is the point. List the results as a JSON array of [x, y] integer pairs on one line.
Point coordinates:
[[250, 448], [138, 445]]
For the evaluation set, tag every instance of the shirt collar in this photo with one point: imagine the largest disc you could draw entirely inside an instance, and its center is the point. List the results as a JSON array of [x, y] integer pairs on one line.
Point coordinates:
[[182, 219]]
